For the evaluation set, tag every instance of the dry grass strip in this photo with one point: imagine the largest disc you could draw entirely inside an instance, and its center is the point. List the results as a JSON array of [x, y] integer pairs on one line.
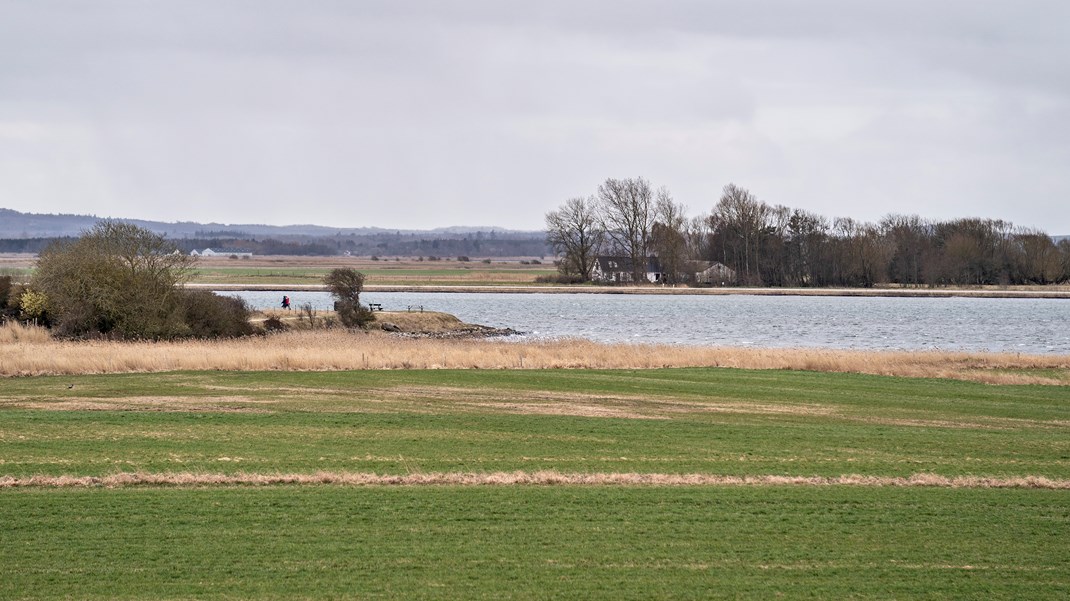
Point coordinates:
[[31, 352], [520, 478], [174, 404]]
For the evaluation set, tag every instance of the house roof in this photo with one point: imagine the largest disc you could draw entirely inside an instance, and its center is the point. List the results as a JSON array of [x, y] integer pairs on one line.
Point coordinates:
[[228, 251], [715, 267], [608, 264]]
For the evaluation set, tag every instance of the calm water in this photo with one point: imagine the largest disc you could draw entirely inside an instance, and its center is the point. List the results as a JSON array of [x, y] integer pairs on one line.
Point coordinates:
[[988, 324]]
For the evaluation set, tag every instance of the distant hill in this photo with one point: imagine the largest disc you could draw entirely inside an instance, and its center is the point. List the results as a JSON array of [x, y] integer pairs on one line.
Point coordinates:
[[1059, 239], [32, 232], [14, 224]]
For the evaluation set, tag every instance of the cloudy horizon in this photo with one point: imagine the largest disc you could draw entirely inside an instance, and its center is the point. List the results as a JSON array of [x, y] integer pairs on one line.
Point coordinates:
[[425, 114]]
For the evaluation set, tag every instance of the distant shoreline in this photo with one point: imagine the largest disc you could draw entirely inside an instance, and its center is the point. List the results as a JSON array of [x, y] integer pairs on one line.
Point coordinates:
[[651, 290]]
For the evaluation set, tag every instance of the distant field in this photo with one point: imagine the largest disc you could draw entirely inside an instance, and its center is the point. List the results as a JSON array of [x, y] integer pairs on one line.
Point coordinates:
[[284, 270], [298, 270], [16, 264], [532, 541]]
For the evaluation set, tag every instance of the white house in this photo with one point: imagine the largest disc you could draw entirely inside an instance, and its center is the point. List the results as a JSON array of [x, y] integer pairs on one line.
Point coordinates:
[[618, 270], [221, 252]]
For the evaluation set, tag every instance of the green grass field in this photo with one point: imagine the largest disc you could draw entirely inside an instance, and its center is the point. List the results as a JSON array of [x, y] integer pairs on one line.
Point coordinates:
[[534, 543], [527, 541]]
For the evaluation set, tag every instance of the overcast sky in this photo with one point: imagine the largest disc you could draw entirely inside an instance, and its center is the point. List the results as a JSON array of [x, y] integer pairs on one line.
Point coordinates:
[[423, 114]]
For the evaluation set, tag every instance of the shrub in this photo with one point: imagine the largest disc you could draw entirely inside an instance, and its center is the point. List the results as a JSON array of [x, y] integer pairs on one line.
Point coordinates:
[[33, 306], [274, 324], [345, 285], [209, 315], [12, 307], [559, 278], [117, 279]]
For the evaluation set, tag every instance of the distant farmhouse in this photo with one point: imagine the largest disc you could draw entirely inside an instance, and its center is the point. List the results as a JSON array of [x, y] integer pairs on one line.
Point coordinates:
[[221, 252], [618, 270], [716, 274]]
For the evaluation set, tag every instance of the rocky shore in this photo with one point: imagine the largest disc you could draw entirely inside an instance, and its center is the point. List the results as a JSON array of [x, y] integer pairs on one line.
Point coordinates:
[[468, 331], [435, 325]]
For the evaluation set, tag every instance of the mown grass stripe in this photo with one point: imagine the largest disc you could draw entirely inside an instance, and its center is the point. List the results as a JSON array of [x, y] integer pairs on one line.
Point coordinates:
[[539, 478]]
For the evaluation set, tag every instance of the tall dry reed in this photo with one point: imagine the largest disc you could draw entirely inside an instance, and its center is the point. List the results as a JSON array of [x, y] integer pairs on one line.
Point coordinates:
[[24, 353], [12, 332]]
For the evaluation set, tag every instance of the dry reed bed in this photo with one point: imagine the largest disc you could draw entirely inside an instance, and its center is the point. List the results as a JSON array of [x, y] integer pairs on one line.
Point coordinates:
[[30, 351], [539, 478]]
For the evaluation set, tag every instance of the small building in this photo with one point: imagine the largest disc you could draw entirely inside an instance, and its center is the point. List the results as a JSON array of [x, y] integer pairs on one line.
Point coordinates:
[[618, 270], [716, 274], [221, 252]]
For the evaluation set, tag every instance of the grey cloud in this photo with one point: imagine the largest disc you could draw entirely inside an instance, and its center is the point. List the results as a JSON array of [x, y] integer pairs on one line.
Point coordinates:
[[430, 113]]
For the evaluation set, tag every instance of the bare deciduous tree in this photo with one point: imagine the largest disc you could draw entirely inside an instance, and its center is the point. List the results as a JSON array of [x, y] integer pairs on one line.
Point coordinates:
[[740, 221], [912, 237], [575, 232], [1035, 257], [669, 236], [627, 213]]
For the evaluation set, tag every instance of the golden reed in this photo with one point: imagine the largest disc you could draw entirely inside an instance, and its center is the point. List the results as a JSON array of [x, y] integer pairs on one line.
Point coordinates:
[[29, 351]]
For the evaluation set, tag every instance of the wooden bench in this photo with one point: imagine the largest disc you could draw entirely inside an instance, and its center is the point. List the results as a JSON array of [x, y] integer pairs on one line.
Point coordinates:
[[375, 306]]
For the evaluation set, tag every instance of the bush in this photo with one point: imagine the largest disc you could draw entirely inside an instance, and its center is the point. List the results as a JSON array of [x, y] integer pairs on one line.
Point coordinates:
[[208, 315], [33, 305], [559, 279], [117, 279], [345, 285], [274, 324], [11, 308], [123, 281]]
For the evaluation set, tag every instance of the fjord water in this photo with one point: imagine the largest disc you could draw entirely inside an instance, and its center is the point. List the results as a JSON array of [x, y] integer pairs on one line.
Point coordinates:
[[873, 323]]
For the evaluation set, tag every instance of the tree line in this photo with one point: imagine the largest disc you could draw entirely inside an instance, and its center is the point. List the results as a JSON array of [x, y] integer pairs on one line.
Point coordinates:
[[774, 245]]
